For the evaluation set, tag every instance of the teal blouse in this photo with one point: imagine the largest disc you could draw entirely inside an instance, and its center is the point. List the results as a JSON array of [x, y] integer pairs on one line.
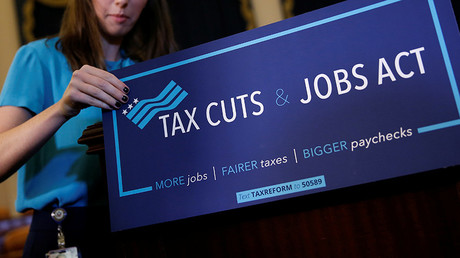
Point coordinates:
[[60, 174]]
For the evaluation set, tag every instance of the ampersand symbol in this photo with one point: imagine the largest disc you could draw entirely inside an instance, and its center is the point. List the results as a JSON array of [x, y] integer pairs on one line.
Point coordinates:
[[281, 101]]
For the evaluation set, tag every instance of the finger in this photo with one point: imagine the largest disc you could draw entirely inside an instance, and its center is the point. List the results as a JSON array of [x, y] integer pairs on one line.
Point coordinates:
[[91, 83], [86, 100], [112, 79], [101, 95]]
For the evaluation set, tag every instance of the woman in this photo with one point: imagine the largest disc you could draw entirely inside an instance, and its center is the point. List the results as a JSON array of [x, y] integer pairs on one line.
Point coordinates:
[[54, 90]]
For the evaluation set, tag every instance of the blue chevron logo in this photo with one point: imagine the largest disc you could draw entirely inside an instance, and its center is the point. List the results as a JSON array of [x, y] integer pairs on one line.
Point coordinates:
[[146, 109]]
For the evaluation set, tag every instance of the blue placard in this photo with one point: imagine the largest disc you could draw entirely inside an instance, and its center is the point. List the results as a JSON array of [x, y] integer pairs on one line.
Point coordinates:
[[353, 93]]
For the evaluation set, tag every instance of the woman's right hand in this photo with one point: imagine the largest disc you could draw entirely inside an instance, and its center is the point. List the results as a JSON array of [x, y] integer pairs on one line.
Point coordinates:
[[91, 86]]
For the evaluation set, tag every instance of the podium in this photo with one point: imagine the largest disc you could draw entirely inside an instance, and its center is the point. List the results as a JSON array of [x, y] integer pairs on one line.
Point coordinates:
[[411, 216]]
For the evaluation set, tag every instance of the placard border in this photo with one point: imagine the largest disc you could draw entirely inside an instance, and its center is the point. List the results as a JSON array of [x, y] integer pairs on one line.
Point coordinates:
[[425, 129]]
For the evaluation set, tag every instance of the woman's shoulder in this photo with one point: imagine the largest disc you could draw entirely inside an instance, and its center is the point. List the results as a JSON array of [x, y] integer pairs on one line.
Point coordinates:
[[43, 47], [43, 52]]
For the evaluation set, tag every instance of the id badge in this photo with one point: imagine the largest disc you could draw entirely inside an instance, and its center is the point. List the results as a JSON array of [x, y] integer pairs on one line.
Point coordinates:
[[70, 252]]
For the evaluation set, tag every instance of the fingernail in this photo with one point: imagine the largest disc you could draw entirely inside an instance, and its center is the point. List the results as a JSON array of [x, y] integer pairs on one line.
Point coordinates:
[[125, 89], [125, 98], [118, 104]]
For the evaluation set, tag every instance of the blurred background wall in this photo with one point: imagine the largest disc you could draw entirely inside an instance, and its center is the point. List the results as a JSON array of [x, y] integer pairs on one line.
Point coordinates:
[[9, 41]]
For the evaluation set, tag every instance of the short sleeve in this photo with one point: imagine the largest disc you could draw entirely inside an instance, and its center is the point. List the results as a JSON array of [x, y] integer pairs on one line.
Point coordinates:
[[25, 83]]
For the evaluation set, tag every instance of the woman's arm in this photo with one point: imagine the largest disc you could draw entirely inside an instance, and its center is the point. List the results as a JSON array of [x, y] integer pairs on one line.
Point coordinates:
[[22, 134]]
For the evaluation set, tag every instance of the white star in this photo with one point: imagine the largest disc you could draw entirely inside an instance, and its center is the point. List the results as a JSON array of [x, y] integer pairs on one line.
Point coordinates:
[[136, 100], [130, 106], [125, 112]]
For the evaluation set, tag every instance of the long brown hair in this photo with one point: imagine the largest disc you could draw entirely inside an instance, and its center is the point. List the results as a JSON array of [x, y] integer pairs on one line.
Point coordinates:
[[80, 36]]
